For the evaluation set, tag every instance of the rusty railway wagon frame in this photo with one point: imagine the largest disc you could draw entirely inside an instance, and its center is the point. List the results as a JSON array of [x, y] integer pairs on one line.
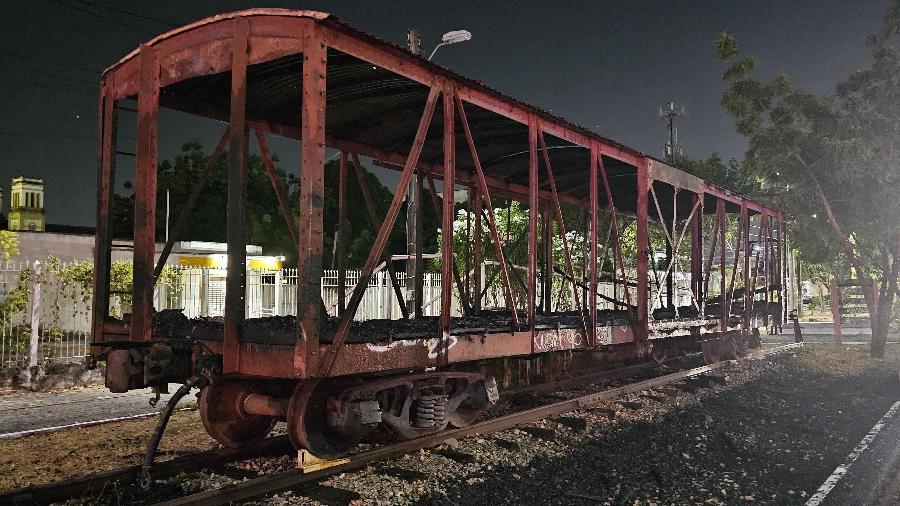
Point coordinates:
[[308, 76]]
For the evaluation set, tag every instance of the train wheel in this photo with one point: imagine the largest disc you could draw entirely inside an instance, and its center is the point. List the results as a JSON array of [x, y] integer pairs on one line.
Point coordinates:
[[464, 406], [224, 418], [317, 422]]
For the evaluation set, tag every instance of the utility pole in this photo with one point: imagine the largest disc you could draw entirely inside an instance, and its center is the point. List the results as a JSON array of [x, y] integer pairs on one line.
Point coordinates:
[[414, 264], [669, 113]]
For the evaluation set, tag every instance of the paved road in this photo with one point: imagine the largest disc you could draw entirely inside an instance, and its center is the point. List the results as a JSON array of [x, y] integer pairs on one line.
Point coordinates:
[[873, 478], [29, 411]]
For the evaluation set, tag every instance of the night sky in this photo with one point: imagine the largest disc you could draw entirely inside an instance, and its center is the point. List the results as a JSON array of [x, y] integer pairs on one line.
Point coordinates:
[[605, 65]]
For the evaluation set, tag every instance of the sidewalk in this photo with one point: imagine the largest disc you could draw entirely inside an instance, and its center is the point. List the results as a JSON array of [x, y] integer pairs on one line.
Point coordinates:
[[42, 410]]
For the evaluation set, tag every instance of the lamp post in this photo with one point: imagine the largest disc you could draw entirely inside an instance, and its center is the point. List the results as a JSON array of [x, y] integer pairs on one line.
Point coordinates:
[[453, 37], [414, 264]]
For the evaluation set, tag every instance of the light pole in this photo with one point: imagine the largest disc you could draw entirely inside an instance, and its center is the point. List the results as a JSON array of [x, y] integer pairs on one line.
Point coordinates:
[[452, 38], [414, 263]]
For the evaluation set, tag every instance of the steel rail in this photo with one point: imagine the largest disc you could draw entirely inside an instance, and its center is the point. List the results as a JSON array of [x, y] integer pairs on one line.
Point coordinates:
[[277, 482], [58, 491], [74, 487]]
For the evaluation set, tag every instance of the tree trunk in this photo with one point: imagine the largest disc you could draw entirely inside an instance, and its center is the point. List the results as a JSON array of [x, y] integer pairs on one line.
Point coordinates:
[[879, 324]]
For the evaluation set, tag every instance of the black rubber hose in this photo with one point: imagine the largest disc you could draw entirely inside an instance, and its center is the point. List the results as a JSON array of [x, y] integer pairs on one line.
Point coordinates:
[[145, 478]]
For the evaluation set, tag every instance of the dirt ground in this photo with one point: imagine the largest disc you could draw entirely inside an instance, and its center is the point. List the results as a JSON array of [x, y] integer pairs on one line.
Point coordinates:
[[65, 454]]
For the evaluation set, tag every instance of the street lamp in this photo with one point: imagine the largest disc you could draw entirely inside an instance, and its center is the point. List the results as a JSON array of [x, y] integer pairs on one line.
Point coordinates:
[[452, 38]]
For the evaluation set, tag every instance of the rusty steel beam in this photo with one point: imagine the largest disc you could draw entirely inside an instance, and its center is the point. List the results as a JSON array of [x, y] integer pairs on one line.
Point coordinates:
[[724, 310], [737, 258], [312, 200], [642, 239], [562, 232], [236, 214], [485, 194], [476, 275], [782, 268], [277, 187], [712, 246], [547, 268], [769, 252], [383, 233], [697, 252], [748, 305], [448, 266], [643, 242], [106, 180], [145, 195], [341, 246], [594, 196], [373, 220], [533, 216], [189, 205]]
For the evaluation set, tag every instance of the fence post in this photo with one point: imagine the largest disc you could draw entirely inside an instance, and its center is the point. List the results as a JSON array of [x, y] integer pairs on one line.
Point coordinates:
[[35, 319]]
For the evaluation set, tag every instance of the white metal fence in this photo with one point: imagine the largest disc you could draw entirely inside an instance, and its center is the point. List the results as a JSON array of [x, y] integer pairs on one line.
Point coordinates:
[[62, 318], [56, 315]]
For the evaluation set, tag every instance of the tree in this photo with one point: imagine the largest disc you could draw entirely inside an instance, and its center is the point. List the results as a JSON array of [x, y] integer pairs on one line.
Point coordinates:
[[836, 159], [9, 244], [265, 224]]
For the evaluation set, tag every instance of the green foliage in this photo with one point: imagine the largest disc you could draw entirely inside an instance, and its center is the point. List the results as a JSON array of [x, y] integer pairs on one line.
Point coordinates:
[[848, 140], [731, 174], [265, 224], [9, 244]]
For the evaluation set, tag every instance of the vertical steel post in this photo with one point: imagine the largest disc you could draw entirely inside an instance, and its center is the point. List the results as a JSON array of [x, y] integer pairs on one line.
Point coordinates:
[[782, 268], [670, 236], [769, 253], [145, 194], [106, 180], [236, 215], [467, 261], [312, 198], [594, 196], [697, 251], [533, 216], [724, 309], [419, 277], [476, 275], [748, 295], [643, 245], [562, 233], [341, 246], [486, 195], [547, 268], [327, 361], [447, 264]]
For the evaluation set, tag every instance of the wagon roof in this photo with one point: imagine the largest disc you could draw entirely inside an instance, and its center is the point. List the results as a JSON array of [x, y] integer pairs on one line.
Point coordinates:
[[378, 108]]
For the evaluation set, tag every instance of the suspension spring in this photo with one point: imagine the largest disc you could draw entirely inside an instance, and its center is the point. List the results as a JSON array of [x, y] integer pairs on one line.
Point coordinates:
[[430, 411]]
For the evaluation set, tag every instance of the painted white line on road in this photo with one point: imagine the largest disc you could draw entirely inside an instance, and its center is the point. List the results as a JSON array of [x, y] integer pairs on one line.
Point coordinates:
[[842, 469]]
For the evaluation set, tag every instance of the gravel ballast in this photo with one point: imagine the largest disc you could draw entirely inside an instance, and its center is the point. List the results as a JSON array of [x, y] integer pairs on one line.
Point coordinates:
[[759, 432]]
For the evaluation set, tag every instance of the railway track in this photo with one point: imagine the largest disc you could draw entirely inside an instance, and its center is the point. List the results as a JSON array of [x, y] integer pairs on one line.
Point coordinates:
[[275, 482], [280, 445]]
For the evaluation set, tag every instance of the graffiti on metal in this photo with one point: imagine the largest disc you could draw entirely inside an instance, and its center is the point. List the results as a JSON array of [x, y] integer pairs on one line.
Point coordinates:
[[561, 339]]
